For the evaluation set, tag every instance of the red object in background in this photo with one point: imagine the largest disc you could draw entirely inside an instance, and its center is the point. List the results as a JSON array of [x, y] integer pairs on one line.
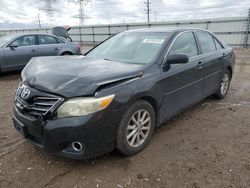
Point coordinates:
[[67, 27], [79, 46]]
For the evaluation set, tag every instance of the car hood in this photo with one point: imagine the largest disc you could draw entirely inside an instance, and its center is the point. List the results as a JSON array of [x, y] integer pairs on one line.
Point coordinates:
[[71, 76]]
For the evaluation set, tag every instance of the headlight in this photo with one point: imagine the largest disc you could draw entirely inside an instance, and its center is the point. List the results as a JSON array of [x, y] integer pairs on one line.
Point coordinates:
[[83, 106]]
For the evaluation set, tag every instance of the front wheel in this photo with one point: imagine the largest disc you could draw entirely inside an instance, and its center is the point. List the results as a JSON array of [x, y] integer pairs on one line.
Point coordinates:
[[136, 128], [224, 85]]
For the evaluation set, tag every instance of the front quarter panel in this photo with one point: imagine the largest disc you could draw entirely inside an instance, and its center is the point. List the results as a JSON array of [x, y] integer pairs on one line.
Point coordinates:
[[139, 87]]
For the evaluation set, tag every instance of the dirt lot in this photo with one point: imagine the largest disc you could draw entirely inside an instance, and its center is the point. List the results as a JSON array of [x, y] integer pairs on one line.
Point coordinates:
[[207, 146]]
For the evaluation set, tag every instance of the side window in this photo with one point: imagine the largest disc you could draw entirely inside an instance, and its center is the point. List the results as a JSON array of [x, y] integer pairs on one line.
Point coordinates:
[[206, 42], [26, 40], [46, 39], [217, 44], [184, 44], [60, 41]]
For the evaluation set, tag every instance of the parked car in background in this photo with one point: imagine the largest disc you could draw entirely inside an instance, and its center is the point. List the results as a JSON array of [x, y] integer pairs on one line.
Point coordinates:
[[120, 91], [16, 50]]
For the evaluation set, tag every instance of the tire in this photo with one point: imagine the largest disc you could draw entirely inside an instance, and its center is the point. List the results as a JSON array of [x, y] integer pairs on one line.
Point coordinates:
[[224, 85], [124, 141]]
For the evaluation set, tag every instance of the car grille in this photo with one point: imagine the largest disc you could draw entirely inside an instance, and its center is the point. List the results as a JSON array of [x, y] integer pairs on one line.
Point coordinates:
[[39, 106], [42, 105], [34, 103]]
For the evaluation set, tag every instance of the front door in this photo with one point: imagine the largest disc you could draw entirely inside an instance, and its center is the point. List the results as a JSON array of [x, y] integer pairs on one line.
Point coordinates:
[[182, 83], [20, 51]]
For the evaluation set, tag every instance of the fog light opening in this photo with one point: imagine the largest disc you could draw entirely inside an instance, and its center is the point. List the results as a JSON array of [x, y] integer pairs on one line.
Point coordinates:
[[77, 146]]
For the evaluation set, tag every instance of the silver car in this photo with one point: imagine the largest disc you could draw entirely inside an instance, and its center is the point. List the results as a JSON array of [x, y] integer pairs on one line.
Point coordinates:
[[16, 50]]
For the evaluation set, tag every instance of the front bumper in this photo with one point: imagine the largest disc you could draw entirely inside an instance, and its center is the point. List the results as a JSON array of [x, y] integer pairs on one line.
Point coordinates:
[[96, 132]]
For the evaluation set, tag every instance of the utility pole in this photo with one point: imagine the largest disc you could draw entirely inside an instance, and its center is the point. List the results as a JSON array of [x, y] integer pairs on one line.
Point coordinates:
[[39, 20], [82, 16], [49, 9], [147, 3]]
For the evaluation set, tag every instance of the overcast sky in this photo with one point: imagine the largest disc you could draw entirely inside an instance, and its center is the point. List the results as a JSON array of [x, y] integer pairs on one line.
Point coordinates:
[[24, 13]]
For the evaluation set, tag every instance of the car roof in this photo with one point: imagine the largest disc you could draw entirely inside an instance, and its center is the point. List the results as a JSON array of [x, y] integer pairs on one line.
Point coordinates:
[[165, 29], [23, 34]]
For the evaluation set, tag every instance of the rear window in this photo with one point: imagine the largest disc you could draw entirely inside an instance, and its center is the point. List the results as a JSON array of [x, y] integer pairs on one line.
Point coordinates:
[[61, 40], [206, 42], [217, 44]]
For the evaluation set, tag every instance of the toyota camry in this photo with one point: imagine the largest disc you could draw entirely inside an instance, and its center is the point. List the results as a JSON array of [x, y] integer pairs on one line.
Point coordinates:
[[115, 95]]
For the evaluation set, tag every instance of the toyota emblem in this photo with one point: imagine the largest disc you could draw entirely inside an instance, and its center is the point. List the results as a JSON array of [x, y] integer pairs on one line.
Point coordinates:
[[25, 93]]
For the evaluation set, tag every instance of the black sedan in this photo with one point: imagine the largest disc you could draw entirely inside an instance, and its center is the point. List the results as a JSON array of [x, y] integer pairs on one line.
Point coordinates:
[[115, 95]]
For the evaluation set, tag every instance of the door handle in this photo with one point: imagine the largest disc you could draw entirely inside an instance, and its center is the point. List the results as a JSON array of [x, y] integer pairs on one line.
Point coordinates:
[[199, 65], [56, 48], [33, 50]]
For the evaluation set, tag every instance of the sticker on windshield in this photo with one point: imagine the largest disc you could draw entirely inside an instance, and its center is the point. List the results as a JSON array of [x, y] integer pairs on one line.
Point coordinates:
[[153, 41]]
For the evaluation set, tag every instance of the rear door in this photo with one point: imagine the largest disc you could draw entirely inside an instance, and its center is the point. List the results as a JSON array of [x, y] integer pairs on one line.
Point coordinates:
[[213, 62], [182, 83], [24, 48], [49, 45]]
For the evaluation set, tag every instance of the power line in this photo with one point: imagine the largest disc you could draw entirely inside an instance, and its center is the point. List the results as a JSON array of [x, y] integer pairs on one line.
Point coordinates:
[[180, 10], [49, 10], [82, 15]]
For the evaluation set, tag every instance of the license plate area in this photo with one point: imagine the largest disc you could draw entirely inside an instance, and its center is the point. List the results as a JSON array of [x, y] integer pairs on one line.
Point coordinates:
[[20, 127]]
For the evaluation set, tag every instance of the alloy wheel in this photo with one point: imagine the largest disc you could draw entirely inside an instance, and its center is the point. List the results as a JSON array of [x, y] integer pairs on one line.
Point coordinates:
[[138, 128], [225, 84]]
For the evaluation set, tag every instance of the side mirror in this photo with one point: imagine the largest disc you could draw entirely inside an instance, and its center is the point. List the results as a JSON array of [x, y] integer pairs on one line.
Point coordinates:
[[12, 46], [177, 59]]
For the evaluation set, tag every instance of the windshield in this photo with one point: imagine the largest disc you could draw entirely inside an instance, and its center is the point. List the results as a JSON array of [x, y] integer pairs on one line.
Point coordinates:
[[5, 39], [130, 47]]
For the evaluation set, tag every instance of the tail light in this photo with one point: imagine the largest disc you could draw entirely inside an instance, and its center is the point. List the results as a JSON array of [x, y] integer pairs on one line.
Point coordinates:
[[79, 46]]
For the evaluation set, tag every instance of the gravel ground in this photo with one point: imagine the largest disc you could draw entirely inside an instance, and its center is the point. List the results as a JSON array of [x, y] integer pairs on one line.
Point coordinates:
[[206, 146]]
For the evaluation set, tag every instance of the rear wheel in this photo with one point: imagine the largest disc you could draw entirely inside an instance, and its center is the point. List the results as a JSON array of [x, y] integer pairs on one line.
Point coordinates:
[[224, 85], [136, 128], [67, 53]]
